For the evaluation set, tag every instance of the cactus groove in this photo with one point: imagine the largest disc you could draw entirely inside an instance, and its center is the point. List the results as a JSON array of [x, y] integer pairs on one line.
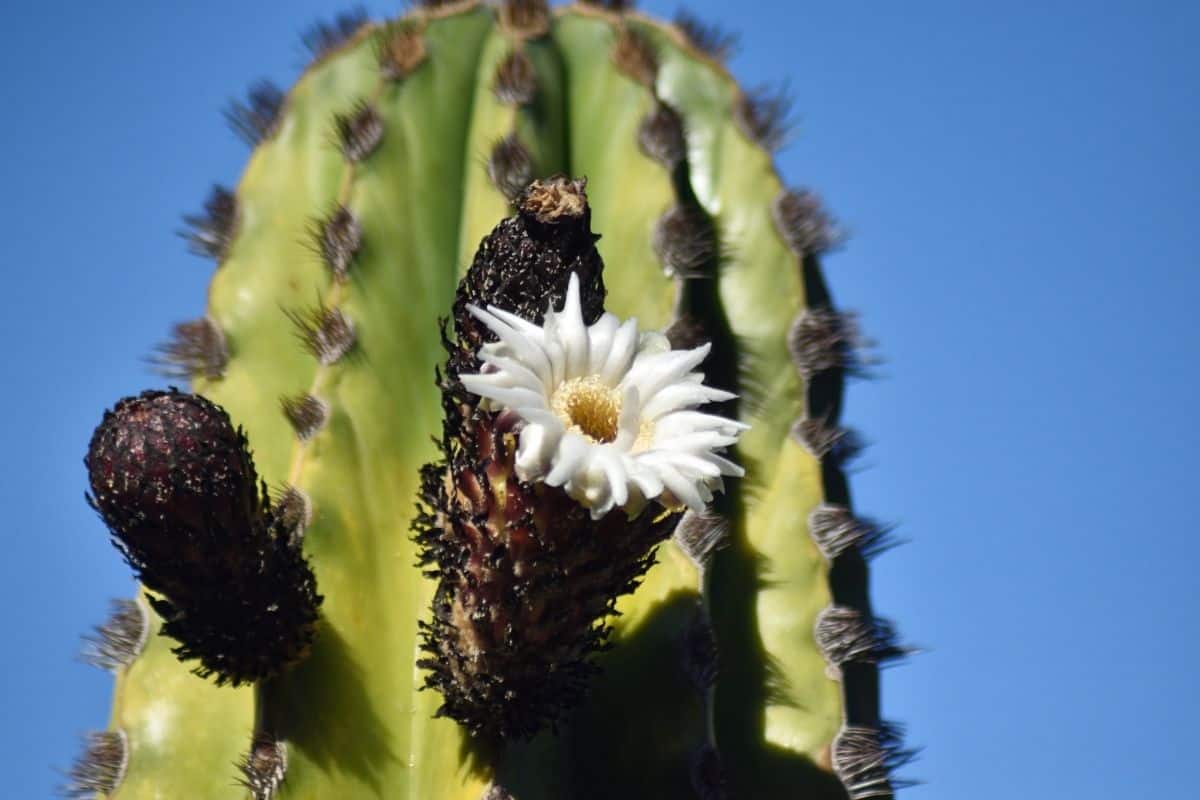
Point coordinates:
[[746, 662]]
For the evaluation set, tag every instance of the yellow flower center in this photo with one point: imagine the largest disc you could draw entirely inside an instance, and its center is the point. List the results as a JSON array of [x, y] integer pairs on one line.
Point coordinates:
[[588, 407]]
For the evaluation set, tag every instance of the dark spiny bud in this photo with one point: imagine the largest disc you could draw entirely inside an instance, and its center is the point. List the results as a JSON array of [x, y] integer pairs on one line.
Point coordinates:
[[525, 576], [510, 167], [100, 768], [864, 759], [804, 224], [700, 535], [400, 49], [337, 238], [526, 18], [634, 55], [322, 38], [821, 339], [326, 332], [660, 136], [835, 530], [685, 241], [706, 37], [515, 83], [119, 640], [196, 347], [846, 635], [762, 115], [359, 131], [305, 413], [175, 483], [264, 766], [823, 439], [210, 233], [700, 651], [257, 119], [708, 774]]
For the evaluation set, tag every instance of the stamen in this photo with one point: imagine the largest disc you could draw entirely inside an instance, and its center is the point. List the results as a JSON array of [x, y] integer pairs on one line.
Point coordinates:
[[589, 407]]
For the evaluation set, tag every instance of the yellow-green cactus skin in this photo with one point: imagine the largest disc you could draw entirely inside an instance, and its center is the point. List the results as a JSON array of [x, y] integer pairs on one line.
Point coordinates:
[[745, 664]]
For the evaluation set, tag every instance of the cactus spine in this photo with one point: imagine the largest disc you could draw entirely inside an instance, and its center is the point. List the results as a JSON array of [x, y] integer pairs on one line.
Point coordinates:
[[371, 184]]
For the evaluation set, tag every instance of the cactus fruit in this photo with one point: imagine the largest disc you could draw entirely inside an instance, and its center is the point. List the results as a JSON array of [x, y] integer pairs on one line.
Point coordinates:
[[441, 588]]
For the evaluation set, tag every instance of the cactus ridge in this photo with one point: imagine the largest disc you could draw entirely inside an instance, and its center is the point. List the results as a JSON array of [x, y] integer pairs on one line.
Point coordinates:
[[746, 661]]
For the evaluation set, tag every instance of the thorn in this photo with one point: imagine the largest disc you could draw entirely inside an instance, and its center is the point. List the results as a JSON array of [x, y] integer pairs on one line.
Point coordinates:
[[701, 534], [258, 118], [400, 49], [195, 347], [762, 115], [661, 137], [700, 656], [210, 233], [846, 635], [515, 83], [337, 239], [685, 243], [326, 332], [835, 530], [100, 767], [708, 774], [802, 221], [264, 767], [322, 38], [634, 55], [293, 514], [616, 6], [686, 333], [359, 131], [496, 792], [528, 19], [706, 37], [510, 167], [822, 339], [115, 644], [822, 439], [306, 414], [864, 758]]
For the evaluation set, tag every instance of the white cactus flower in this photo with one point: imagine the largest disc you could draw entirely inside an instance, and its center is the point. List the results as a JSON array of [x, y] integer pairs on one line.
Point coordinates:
[[609, 413]]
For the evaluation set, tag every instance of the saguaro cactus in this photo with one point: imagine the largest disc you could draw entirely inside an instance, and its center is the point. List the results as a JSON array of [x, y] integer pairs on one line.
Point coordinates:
[[431, 594]]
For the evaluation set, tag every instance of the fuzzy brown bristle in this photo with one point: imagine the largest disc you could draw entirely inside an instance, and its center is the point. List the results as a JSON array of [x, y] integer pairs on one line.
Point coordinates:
[[264, 767], [326, 332], [306, 414], [847, 635], [510, 167], [708, 38], [701, 534], [825, 440], [864, 759], [836, 530], [359, 131], [400, 49], [685, 242], [822, 339], [661, 136], [687, 332], [337, 239], [323, 37], [292, 514], [99, 768], [525, 18], [635, 56], [210, 233], [762, 114], [802, 221], [115, 644], [515, 83], [196, 347], [256, 119]]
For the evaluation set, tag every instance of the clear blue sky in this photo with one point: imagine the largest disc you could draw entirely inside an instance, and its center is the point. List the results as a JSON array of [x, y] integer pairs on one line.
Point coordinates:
[[1023, 185]]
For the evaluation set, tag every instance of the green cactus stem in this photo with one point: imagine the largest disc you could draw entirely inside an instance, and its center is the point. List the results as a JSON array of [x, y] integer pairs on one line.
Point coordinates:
[[744, 664]]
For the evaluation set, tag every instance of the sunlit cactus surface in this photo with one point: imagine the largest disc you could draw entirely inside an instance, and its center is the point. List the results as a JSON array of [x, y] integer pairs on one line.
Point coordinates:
[[505, 462]]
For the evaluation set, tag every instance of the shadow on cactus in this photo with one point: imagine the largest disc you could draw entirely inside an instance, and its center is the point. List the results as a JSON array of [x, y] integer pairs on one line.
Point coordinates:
[[574, 502]]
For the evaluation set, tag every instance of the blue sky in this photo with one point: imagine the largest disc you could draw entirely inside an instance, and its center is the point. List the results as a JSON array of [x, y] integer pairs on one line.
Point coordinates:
[[1021, 182]]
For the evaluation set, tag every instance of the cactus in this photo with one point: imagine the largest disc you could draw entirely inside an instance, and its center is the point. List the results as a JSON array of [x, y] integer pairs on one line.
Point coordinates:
[[342, 607]]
